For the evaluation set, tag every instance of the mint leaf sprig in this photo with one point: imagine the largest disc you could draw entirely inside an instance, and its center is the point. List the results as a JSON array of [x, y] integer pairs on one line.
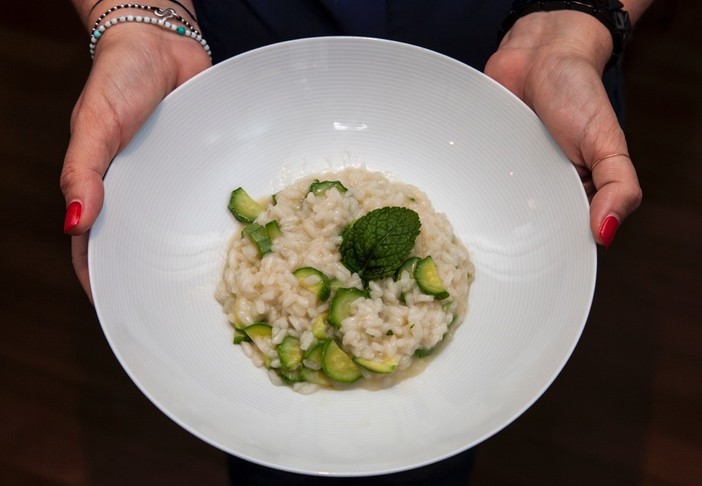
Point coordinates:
[[375, 245]]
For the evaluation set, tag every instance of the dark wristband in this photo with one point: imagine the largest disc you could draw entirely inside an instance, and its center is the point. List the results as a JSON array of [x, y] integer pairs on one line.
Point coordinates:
[[610, 12]]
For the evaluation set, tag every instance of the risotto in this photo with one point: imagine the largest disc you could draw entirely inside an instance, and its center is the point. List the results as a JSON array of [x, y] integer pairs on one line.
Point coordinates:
[[343, 277]]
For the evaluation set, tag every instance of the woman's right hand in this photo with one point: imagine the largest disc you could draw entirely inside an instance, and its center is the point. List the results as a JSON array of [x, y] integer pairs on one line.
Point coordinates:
[[135, 67]]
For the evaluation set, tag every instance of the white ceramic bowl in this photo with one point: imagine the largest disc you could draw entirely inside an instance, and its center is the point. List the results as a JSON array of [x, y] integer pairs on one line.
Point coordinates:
[[263, 119]]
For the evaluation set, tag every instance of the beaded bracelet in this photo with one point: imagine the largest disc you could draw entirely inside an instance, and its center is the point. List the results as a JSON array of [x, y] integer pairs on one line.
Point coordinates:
[[158, 11], [162, 22], [192, 16]]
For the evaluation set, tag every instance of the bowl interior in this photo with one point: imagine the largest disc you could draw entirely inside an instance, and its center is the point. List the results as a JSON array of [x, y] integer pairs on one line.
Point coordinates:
[[267, 117]]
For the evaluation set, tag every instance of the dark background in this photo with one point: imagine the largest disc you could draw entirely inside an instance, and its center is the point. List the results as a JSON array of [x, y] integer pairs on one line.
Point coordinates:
[[627, 408]]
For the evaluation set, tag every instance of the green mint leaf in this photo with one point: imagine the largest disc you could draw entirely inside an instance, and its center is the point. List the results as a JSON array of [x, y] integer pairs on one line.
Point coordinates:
[[375, 245], [348, 254]]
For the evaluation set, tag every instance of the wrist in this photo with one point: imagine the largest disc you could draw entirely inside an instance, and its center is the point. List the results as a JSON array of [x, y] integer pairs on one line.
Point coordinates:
[[609, 13], [572, 32]]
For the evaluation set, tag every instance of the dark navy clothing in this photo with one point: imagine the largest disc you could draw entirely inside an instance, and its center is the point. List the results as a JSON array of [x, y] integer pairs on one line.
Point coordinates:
[[466, 30], [454, 471]]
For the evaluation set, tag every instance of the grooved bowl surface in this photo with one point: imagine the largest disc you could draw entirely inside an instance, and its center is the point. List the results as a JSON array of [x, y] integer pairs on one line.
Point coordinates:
[[267, 117]]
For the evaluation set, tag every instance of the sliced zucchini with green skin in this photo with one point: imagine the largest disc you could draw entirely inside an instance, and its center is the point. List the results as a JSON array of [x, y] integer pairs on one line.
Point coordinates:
[[428, 280], [290, 353], [240, 336], [386, 366], [320, 327], [318, 188], [408, 266], [258, 330], [260, 333], [244, 207], [314, 353], [273, 230], [315, 376], [422, 352], [339, 309], [338, 365], [320, 288], [259, 237], [290, 376]]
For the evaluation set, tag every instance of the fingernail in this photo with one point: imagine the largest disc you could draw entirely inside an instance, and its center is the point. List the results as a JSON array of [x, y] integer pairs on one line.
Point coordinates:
[[73, 212], [608, 230]]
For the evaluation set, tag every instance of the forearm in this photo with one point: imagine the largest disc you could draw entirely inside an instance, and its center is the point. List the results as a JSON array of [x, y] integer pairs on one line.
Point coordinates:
[[88, 14]]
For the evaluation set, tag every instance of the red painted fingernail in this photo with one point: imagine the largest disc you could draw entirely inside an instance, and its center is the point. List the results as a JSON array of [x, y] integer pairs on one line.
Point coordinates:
[[73, 212], [608, 230]]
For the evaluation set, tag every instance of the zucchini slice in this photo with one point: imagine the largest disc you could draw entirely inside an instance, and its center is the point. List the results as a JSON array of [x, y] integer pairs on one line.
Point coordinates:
[[318, 285], [244, 207], [315, 376], [259, 237], [260, 333], [290, 376], [320, 328], [428, 280], [240, 336], [318, 188], [273, 230], [423, 352], [290, 353], [258, 330], [339, 309], [386, 366], [314, 353], [338, 365], [408, 266]]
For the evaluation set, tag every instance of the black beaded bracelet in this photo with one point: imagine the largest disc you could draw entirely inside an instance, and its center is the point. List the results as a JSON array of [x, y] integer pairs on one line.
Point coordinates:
[[160, 12], [609, 12], [192, 16]]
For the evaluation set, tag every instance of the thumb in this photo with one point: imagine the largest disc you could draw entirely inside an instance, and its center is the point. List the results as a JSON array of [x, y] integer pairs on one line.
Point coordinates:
[[618, 195], [93, 144]]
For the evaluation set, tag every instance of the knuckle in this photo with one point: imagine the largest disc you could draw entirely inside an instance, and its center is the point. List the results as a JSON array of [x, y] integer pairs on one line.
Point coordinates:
[[637, 196], [632, 195], [70, 177]]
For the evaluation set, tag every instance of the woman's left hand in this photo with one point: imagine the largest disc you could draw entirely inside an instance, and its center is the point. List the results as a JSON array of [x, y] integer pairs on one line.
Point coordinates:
[[553, 61]]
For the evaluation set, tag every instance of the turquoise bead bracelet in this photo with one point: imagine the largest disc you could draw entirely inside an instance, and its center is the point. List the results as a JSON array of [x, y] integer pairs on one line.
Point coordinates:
[[162, 20]]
